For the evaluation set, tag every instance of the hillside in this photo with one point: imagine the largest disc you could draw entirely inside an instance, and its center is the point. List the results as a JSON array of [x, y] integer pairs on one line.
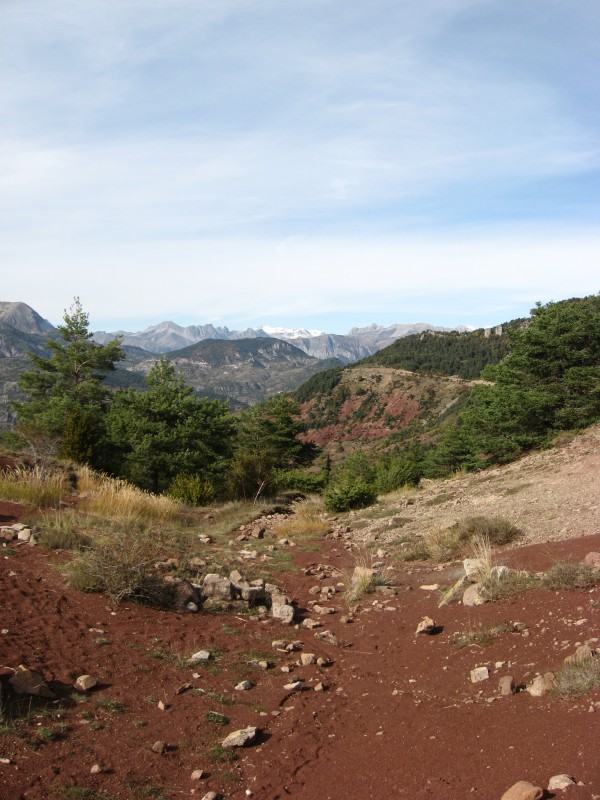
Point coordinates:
[[245, 370], [447, 353], [369, 406]]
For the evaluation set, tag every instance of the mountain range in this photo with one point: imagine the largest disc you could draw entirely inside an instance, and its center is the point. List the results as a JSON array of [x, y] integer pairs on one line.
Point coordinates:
[[358, 343]]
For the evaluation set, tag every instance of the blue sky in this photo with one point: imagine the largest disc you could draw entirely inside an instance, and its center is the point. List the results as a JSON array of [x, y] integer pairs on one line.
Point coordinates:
[[298, 162]]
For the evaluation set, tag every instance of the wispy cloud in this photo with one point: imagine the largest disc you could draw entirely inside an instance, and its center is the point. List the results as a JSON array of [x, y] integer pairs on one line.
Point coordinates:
[[162, 136]]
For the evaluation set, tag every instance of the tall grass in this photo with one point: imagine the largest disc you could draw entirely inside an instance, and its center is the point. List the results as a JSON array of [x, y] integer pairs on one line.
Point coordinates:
[[117, 499], [306, 522], [38, 487]]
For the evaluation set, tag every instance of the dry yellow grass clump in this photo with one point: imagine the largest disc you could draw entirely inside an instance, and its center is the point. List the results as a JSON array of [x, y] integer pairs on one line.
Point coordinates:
[[306, 522], [42, 488], [117, 499]]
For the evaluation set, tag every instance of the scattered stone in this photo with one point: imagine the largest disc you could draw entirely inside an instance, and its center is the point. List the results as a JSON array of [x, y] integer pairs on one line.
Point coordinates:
[[159, 747], [294, 686], [541, 684], [582, 653], [24, 535], [506, 685], [471, 596], [184, 688], [479, 674], [560, 782], [307, 658], [200, 656], [427, 625], [243, 686], [198, 775], [85, 682], [523, 790], [162, 706], [328, 637], [472, 568], [240, 738], [28, 681], [97, 769], [215, 585], [519, 627], [432, 587], [324, 609], [323, 662], [311, 624], [203, 539], [319, 687], [211, 796]]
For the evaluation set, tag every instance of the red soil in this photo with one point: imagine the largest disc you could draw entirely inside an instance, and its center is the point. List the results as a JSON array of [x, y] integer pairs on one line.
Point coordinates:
[[399, 717]]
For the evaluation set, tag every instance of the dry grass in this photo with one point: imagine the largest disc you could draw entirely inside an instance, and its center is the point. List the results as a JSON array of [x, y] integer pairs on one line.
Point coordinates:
[[481, 636], [570, 575], [306, 522], [363, 578], [117, 499], [38, 487], [577, 678], [458, 540]]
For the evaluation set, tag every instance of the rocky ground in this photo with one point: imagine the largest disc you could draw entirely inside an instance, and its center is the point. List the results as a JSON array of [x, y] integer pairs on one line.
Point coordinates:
[[384, 713]]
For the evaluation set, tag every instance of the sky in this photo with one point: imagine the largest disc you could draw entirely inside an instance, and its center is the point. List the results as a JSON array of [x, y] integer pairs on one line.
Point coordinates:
[[304, 163]]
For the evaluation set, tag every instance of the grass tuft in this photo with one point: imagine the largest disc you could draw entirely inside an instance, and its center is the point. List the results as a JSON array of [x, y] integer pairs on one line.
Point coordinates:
[[577, 678], [481, 636], [39, 487]]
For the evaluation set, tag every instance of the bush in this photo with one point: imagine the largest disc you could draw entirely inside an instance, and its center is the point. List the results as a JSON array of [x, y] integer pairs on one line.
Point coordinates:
[[496, 530], [349, 493], [60, 532], [570, 575], [302, 480], [192, 490]]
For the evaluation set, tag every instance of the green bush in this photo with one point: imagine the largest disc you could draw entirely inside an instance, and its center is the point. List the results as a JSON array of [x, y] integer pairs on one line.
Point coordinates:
[[301, 480], [349, 493], [193, 490]]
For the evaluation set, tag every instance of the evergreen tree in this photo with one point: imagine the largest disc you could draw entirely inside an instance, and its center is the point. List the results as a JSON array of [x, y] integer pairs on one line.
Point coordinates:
[[67, 399], [165, 431]]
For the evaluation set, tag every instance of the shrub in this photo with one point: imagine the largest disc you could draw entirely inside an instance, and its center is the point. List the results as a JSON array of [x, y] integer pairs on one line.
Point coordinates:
[[496, 530], [301, 480], [577, 677], [570, 575], [349, 493], [60, 532], [193, 490]]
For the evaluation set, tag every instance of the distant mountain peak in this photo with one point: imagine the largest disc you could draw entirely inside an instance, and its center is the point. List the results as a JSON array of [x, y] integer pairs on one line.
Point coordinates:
[[292, 333]]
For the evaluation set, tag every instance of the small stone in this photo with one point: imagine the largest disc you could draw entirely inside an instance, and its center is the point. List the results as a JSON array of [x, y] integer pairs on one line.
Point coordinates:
[[523, 790], [243, 686], [159, 747], [307, 658], [162, 706], [519, 627], [201, 655], [240, 738], [24, 535], [198, 775], [427, 625], [183, 688], [471, 596], [311, 624], [328, 637], [506, 685], [319, 687], [432, 587], [96, 770], [85, 682], [479, 674], [541, 685], [211, 796], [294, 686], [560, 782]]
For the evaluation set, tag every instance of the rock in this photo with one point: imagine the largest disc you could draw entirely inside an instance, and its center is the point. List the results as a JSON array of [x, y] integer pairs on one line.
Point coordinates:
[[211, 796], [523, 790], [199, 657], [216, 586], [24, 535], [519, 627], [294, 686], [240, 738], [472, 568], [85, 682], [427, 625], [282, 610], [159, 747], [479, 674], [162, 706], [592, 560], [307, 658], [471, 596], [28, 681], [258, 532], [243, 686], [96, 769], [432, 587], [541, 685], [198, 775], [506, 685], [328, 637], [188, 598], [319, 687], [582, 653], [311, 624], [560, 782]]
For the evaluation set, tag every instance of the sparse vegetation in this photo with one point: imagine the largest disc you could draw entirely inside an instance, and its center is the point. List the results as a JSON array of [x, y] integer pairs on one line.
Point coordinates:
[[570, 575], [36, 486], [577, 678], [481, 636], [458, 540]]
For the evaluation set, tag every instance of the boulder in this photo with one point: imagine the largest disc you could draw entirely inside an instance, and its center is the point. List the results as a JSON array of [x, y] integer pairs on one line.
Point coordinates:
[[471, 596], [560, 782], [282, 609], [506, 684], [541, 684], [216, 586], [592, 560]]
